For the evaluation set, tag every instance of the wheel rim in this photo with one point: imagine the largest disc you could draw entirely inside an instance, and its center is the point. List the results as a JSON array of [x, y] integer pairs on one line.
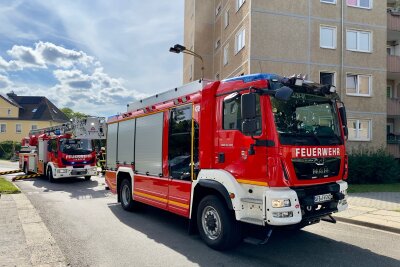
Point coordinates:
[[125, 195], [211, 222]]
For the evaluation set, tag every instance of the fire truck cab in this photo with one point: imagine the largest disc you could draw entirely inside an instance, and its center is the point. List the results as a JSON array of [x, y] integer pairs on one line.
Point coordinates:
[[253, 150], [63, 151]]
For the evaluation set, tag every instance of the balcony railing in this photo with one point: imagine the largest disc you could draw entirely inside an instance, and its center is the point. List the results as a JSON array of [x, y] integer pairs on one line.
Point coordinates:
[[393, 64], [393, 107], [393, 139], [394, 150], [393, 21]]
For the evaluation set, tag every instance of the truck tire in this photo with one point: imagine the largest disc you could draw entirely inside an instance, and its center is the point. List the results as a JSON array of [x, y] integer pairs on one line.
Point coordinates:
[[125, 194], [217, 226], [87, 178], [50, 176]]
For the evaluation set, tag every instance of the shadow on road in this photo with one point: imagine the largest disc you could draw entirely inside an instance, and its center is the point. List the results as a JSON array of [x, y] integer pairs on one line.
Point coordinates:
[[77, 188], [299, 249]]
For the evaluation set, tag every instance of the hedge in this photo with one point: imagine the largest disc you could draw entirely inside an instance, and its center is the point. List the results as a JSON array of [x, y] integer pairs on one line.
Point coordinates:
[[373, 167], [6, 149]]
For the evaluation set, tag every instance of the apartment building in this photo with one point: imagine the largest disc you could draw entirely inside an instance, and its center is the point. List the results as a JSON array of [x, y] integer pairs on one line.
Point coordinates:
[[341, 42]]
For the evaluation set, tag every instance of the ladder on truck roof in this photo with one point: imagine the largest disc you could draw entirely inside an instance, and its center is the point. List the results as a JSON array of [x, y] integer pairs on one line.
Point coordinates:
[[86, 128], [183, 90]]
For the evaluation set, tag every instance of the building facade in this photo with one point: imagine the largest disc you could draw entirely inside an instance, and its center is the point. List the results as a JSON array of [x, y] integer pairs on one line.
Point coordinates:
[[20, 114], [341, 42]]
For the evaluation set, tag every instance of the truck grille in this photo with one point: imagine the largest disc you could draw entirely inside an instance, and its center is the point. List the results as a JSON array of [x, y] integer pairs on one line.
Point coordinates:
[[314, 168]]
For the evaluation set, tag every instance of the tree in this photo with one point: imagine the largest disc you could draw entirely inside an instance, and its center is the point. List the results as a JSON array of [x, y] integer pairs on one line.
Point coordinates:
[[72, 114]]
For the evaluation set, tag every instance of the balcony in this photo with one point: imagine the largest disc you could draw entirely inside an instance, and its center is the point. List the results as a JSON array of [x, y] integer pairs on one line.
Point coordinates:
[[393, 21], [393, 149], [393, 107], [393, 64]]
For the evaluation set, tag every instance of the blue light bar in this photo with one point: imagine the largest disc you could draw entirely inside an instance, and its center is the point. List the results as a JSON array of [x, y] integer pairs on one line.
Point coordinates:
[[253, 77]]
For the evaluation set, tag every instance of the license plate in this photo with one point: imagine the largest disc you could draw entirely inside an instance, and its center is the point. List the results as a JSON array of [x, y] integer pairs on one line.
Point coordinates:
[[322, 198]]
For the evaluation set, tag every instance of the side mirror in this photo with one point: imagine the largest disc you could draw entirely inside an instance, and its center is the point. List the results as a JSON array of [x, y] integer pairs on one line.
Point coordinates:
[[343, 118], [284, 93], [248, 106]]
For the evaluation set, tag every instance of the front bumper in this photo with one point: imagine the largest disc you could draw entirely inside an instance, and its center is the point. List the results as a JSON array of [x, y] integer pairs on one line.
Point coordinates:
[[75, 172], [303, 209]]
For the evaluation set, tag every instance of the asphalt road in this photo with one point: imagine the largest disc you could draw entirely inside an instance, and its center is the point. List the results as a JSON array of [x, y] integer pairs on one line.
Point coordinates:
[[91, 229]]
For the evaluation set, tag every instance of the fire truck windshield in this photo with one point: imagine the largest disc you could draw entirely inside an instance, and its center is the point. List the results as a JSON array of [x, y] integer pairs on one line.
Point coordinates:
[[306, 120], [76, 146]]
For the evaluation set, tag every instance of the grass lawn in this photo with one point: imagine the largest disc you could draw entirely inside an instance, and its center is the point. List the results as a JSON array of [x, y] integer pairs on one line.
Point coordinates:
[[363, 188], [7, 187]]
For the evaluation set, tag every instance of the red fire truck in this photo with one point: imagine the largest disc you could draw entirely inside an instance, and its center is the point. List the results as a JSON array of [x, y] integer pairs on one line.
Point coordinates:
[[63, 151], [253, 150]]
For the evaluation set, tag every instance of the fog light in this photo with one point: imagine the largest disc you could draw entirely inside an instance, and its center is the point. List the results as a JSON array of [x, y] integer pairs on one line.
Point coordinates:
[[284, 214], [280, 203], [62, 171]]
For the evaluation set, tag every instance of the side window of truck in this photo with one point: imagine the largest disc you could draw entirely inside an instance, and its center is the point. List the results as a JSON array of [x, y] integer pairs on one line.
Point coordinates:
[[180, 142], [232, 113]]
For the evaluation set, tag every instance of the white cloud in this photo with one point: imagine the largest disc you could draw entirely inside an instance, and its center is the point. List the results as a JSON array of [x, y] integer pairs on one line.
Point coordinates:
[[4, 82]]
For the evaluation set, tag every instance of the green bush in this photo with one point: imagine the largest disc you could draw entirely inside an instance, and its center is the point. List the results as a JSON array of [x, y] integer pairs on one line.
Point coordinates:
[[373, 167], [7, 148]]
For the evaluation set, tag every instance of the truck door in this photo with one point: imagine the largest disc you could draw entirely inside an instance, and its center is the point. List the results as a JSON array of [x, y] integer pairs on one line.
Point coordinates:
[[182, 157]]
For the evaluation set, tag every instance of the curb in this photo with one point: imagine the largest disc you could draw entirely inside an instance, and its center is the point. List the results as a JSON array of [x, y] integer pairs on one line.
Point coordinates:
[[370, 225]]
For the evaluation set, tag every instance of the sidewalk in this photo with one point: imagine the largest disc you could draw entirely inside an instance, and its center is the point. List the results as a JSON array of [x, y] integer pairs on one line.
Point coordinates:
[[24, 238], [375, 210]]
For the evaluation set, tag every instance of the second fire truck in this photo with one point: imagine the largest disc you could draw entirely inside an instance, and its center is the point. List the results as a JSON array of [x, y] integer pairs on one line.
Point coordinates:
[[257, 150], [63, 151]]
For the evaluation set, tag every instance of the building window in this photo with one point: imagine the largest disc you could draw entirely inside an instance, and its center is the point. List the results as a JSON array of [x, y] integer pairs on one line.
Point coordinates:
[[390, 50], [18, 128], [359, 130], [226, 54], [389, 91], [3, 128], [358, 84], [239, 4], [327, 78], [359, 41], [34, 127], [8, 112], [360, 3], [327, 37], [329, 1], [240, 40], [226, 18], [34, 110], [218, 9]]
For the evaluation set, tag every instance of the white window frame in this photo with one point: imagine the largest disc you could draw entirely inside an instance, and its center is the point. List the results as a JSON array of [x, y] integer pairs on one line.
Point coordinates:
[[357, 5], [226, 18], [226, 55], [16, 128], [358, 40], [357, 93], [332, 2], [239, 4], [357, 138], [334, 36], [242, 40], [5, 127]]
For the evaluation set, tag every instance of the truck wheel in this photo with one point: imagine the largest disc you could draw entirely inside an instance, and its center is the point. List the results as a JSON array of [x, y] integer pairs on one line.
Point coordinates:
[[217, 225], [125, 194], [50, 175], [87, 178]]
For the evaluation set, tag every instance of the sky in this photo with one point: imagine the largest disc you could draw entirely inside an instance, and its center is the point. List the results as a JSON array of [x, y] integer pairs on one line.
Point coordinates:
[[94, 57]]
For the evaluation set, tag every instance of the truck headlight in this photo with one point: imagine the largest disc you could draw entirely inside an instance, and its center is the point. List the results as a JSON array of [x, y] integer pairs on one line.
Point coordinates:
[[62, 171], [280, 203]]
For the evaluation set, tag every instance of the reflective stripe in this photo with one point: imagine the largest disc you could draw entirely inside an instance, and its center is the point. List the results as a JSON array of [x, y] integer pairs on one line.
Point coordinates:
[[164, 200], [251, 182]]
